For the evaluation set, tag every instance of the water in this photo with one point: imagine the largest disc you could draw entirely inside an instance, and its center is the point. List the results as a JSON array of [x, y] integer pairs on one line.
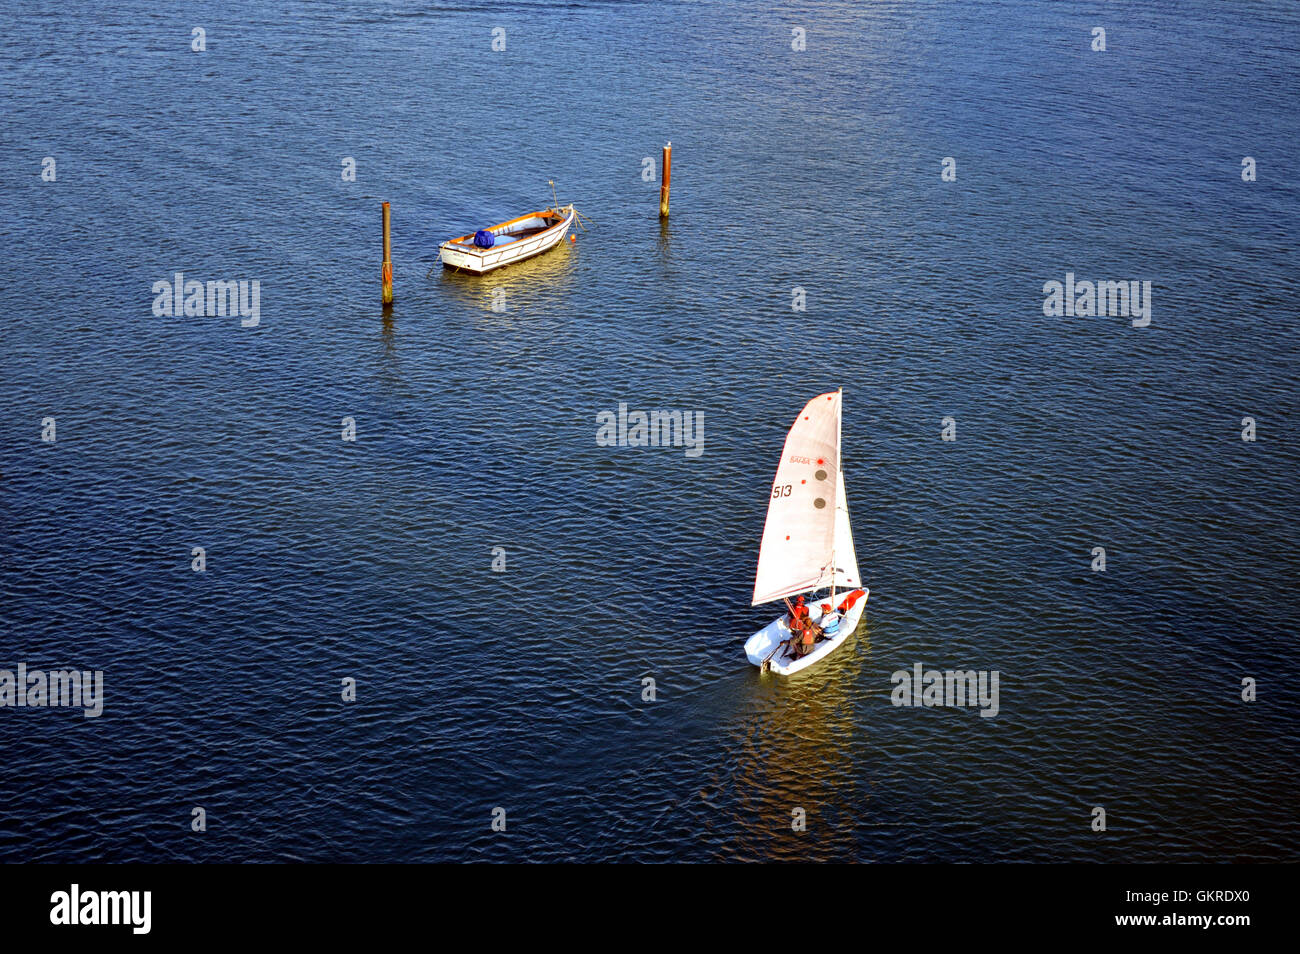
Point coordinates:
[[476, 430]]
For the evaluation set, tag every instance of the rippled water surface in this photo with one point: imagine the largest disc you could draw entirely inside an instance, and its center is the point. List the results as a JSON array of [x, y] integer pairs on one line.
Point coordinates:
[[476, 430]]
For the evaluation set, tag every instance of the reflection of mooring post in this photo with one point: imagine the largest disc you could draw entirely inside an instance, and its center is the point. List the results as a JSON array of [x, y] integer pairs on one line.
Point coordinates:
[[388, 263], [663, 186]]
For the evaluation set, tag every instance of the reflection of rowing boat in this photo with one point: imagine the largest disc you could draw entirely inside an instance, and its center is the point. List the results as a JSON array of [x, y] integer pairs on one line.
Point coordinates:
[[551, 274], [808, 543], [510, 242]]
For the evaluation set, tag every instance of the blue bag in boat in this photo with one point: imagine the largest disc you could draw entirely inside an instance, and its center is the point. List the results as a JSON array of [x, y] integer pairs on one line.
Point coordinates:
[[484, 239]]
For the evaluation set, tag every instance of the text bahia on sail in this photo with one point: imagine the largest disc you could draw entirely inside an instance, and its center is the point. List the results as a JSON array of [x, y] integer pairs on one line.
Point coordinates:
[[808, 547]]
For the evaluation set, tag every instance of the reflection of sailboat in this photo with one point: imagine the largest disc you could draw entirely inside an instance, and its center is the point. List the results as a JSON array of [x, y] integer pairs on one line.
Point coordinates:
[[799, 744], [808, 546]]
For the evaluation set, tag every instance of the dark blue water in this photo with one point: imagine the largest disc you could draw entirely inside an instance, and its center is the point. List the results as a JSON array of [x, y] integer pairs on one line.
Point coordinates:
[[476, 430]]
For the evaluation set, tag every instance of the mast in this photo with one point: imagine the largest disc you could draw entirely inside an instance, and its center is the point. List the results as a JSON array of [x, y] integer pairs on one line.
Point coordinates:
[[839, 475]]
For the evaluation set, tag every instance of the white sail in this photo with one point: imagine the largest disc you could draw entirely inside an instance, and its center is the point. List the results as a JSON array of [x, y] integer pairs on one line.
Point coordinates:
[[846, 558], [802, 511]]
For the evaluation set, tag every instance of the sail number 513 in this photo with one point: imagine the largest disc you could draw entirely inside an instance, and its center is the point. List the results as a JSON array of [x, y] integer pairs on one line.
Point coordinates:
[[781, 491]]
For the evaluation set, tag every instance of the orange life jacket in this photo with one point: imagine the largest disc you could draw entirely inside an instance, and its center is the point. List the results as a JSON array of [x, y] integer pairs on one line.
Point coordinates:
[[850, 601]]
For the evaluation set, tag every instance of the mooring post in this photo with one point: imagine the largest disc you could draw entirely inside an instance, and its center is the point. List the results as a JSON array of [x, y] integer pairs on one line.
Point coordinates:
[[388, 262], [663, 186]]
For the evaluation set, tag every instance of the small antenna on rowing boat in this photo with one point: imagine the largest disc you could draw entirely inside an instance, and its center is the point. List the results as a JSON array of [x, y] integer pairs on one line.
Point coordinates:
[[551, 182]]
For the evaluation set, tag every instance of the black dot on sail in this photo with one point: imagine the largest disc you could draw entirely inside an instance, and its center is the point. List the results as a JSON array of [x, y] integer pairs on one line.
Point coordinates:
[[820, 475], [820, 503]]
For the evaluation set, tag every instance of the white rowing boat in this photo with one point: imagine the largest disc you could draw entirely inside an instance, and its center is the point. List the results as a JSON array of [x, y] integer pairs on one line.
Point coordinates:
[[808, 543], [512, 241]]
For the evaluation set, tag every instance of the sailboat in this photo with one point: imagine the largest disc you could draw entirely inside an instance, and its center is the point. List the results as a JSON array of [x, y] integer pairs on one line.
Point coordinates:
[[808, 543]]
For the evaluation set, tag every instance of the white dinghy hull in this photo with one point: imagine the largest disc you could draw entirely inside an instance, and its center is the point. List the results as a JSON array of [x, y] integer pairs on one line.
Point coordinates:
[[768, 649]]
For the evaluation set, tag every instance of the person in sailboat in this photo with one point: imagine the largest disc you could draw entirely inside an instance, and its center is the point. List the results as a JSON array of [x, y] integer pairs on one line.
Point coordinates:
[[798, 615], [803, 632]]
